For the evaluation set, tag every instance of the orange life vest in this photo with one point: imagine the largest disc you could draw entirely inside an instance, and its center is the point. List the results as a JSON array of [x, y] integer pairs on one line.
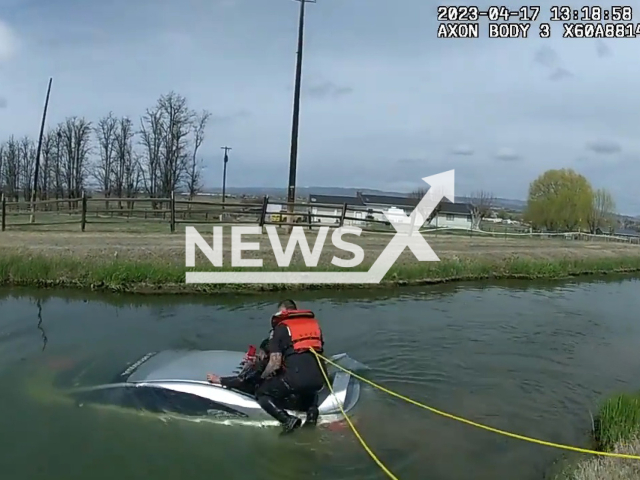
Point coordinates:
[[303, 327]]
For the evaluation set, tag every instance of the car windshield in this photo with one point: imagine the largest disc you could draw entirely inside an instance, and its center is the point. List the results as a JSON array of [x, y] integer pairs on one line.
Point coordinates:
[[186, 365]]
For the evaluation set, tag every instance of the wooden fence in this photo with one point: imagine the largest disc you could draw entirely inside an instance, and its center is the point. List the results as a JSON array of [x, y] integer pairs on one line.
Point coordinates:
[[175, 211]]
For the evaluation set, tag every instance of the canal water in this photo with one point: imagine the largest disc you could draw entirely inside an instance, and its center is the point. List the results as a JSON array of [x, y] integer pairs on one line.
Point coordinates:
[[529, 358]]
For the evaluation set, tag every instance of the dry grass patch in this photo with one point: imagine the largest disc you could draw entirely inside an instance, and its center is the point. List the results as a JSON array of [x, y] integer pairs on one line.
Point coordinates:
[[143, 246], [610, 468]]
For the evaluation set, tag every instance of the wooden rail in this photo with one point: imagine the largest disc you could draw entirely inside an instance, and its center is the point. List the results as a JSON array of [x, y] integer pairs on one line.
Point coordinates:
[[91, 212]]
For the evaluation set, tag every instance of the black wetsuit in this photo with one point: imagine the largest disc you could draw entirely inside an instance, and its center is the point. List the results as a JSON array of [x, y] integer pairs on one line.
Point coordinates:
[[247, 381], [301, 378]]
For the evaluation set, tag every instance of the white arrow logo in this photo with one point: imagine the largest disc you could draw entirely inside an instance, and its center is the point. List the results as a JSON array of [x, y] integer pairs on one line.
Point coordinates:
[[407, 235]]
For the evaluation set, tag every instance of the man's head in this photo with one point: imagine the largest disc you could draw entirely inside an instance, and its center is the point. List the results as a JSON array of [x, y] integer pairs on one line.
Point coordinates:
[[285, 305]]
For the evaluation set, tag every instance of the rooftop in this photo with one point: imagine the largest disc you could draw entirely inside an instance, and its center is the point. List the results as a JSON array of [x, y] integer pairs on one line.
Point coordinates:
[[335, 199], [389, 200], [363, 199], [455, 208]]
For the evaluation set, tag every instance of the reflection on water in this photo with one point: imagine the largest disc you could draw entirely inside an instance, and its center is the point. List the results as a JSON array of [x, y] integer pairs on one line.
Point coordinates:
[[529, 358], [40, 327]]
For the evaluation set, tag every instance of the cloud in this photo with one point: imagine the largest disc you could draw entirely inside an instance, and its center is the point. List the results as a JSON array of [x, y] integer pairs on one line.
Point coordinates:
[[328, 89], [548, 58], [411, 161], [463, 150], [507, 155], [602, 49], [560, 73], [229, 118], [604, 147], [528, 102], [8, 42], [3, 102]]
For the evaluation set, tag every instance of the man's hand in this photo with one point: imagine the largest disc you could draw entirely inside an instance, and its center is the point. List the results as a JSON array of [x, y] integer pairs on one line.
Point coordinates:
[[212, 378]]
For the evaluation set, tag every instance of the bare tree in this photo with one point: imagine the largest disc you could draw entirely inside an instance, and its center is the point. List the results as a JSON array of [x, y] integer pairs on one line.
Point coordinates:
[[151, 138], [179, 121], [481, 203], [194, 172], [76, 146], [418, 193], [132, 177], [2, 149], [27, 152], [164, 134], [11, 170], [103, 170], [602, 212], [171, 136], [55, 164], [126, 171]]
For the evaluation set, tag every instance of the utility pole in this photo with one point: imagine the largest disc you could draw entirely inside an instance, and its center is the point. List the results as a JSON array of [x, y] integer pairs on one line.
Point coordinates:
[[224, 172], [293, 160], [32, 218]]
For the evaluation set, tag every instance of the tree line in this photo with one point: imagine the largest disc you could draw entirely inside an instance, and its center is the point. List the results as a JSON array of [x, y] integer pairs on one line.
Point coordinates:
[[558, 200], [564, 200], [155, 156]]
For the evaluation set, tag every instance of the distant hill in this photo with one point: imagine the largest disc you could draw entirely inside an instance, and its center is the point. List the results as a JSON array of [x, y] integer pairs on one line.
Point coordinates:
[[505, 203], [302, 191]]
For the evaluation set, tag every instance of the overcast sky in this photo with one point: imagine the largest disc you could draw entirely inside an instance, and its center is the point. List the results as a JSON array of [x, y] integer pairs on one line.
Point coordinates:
[[385, 102]]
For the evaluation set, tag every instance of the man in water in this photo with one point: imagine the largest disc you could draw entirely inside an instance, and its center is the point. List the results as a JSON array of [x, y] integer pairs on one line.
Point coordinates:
[[293, 368], [249, 379]]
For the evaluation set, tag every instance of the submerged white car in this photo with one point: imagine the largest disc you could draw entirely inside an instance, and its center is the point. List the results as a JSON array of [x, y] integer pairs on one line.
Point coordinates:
[[174, 381]]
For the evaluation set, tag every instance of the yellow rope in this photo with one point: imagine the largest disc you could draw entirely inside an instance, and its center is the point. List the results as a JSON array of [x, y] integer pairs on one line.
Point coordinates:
[[475, 424], [353, 428]]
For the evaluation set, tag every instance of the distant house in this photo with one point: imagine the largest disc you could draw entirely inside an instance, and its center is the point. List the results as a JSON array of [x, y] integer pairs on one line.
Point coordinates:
[[452, 215], [332, 206], [374, 207], [377, 204], [456, 215]]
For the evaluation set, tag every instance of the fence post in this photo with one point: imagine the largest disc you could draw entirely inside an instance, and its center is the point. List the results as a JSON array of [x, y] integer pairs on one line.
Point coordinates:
[[344, 214], [83, 219], [263, 212], [4, 212], [172, 204]]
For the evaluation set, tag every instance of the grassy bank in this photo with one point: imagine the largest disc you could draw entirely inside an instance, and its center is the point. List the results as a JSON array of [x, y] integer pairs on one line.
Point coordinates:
[[157, 275], [616, 429]]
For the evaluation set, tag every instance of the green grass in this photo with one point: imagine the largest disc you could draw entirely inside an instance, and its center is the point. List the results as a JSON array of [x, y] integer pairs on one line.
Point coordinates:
[[155, 276], [618, 421], [616, 429]]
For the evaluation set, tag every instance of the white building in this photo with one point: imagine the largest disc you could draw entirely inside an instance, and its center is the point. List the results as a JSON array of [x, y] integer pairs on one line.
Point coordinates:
[[329, 210], [452, 215], [363, 207]]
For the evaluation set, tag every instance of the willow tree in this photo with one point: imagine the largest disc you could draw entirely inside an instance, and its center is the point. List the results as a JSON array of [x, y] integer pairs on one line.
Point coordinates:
[[559, 200], [602, 214]]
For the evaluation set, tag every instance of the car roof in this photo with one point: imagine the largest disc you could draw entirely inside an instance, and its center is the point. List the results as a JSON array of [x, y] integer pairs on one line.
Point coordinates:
[[190, 365]]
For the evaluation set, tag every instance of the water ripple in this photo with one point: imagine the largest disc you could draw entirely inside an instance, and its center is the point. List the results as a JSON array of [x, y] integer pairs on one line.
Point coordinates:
[[530, 360]]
